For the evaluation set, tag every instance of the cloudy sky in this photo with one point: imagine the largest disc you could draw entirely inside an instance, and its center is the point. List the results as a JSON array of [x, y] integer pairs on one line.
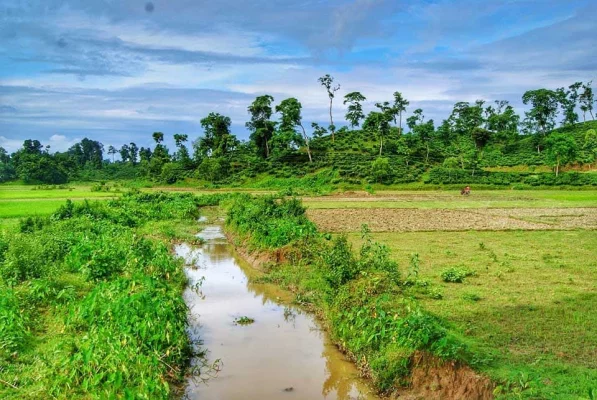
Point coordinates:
[[118, 70]]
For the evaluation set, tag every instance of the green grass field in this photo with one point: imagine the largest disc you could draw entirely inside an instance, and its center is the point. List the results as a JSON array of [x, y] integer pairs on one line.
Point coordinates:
[[529, 305], [18, 201]]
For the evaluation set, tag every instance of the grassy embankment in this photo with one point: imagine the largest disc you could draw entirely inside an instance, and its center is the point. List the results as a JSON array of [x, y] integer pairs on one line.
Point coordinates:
[[528, 303], [91, 300], [517, 305]]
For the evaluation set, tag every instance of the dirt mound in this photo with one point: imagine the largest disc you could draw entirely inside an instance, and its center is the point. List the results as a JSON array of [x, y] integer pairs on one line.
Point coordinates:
[[434, 379]]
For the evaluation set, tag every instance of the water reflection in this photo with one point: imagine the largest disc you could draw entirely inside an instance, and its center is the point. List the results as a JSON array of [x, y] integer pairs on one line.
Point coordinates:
[[282, 354]]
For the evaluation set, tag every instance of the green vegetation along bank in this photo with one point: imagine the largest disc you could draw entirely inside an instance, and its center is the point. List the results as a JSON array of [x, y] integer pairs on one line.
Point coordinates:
[[362, 297], [91, 300], [441, 305]]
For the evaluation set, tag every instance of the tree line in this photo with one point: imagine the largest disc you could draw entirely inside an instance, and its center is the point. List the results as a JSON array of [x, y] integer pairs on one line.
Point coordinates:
[[472, 134]]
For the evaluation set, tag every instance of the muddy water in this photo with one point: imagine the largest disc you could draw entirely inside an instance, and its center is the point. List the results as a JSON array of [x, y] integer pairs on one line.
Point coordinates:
[[282, 355]]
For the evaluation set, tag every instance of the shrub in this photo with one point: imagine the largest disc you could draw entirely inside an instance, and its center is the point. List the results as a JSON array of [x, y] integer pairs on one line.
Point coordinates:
[[455, 274]]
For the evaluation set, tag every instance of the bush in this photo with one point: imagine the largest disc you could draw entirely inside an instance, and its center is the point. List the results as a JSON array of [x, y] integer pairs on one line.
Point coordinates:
[[455, 274]]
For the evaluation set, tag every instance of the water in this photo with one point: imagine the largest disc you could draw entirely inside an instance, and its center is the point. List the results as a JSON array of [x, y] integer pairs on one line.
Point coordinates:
[[282, 355]]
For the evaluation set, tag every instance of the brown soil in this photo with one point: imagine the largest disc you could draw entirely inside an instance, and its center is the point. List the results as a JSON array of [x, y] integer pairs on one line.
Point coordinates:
[[434, 379], [412, 220]]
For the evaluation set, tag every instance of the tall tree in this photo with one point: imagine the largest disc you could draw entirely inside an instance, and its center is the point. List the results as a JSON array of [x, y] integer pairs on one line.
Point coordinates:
[[261, 127], [125, 153], [587, 99], [158, 137], [379, 124], [560, 150], [421, 129], [111, 151], [182, 155], [290, 110], [400, 104], [327, 81], [502, 120], [354, 113], [217, 140], [145, 154], [133, 152], [568, 102], [544, 107]]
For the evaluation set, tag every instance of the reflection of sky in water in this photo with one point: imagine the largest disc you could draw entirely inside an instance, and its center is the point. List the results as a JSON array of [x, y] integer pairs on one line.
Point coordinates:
[[282, 349]]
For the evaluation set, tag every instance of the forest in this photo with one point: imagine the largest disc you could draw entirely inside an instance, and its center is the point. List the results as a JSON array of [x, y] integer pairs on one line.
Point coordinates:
[[487, 143]]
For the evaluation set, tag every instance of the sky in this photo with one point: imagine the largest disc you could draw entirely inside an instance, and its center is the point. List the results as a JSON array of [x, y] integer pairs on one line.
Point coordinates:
[[118, 70]]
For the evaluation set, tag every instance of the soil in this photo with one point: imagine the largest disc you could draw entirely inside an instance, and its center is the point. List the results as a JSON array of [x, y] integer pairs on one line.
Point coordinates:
[[434, 379], [412, 220]]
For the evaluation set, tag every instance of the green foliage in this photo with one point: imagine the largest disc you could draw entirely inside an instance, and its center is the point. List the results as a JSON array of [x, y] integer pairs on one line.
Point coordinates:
[[244, 320], [13, 323], [359, 294], [455, 274], [270, 222], [109, 299]]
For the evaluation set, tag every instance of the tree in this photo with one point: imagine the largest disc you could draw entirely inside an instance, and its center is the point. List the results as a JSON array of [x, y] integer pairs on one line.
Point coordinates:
[[182, 155], [318, 130], [544, 106], [400, 104], [381, 170], [133, 152], [125, 153], [327, 82], [111, 151], [379, 124], [567, 100], [560, 150], [158, 137], [502, 119], [145, 154], [466, 117], [421, 129], [160, 155], [217, 140], [587, 99], [262, 129], [354, 113], [290, 110]]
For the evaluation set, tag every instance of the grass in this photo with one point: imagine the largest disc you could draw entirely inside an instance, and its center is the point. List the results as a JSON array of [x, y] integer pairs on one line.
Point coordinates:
[[25, 208], [91, 306], [529, 304], [9, 192]]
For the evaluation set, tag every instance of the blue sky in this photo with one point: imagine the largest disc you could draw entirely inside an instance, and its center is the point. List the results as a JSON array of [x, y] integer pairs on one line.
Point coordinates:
[[118, 70]]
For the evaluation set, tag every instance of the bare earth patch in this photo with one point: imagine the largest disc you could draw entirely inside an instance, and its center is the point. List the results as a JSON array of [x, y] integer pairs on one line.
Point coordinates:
[[411, 220]]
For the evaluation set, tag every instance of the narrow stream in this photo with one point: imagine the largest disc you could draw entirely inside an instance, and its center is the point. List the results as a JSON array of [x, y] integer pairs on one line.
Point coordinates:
[[283, 354]]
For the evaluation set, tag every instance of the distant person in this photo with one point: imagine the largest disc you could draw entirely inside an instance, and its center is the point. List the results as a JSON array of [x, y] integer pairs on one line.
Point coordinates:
[[466, 191]]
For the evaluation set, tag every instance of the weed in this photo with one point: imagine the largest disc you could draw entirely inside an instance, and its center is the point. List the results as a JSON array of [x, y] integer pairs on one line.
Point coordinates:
[[472, 297], [455, 274], [244, 320]]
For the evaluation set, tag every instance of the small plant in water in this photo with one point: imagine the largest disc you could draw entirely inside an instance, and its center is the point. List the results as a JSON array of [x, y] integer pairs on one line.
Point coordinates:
[[244, 320]]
